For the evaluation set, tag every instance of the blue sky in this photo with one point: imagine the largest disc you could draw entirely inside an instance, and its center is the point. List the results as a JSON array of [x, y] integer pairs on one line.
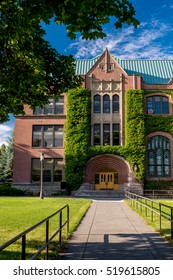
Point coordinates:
[[153, 39]]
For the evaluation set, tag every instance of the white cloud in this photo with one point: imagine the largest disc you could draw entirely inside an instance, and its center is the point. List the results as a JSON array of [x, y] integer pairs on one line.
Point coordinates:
[[145, 42], [5, 132]]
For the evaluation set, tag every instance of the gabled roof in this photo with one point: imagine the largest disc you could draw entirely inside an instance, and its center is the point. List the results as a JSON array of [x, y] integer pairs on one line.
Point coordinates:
[[152, 71], [84, 65]]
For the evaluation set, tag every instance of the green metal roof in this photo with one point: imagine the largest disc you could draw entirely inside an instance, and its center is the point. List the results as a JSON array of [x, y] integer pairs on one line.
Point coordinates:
[[84, 65], [152, 71]]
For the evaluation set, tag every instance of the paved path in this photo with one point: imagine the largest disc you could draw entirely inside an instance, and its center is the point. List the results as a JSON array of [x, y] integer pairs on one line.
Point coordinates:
[[110, 230]]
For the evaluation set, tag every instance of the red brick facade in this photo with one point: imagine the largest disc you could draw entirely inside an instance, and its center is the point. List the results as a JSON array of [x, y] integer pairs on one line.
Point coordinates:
[[106, 76]]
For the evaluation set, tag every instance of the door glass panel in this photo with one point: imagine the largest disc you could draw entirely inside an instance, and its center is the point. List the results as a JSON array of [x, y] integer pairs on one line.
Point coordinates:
[[115, 178], [101, 177], [97, 178]]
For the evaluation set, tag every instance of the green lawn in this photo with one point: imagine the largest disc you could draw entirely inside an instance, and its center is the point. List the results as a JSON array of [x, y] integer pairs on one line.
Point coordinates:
[[165, 224], [18, 214]]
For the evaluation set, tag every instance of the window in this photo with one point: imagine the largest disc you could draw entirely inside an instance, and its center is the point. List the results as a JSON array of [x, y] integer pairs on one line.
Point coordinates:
[[157, 105], [55, 106], [106, 104], [47, 136], [97, 107], [115, 104], [52, 170], [111, 134], [59, 105], [116, 134], [159, 164], [96, 134], [49, 108], [106, 134], [110, 67], [101, 66], [35, 170]]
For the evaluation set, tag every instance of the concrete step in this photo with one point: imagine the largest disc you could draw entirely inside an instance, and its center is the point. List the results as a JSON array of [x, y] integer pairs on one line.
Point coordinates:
[[100, 193]]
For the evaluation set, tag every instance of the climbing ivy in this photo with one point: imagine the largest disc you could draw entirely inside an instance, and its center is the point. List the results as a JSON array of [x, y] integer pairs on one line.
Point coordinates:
[[78, 135], [135, 130], [78, 149], [159, 123]]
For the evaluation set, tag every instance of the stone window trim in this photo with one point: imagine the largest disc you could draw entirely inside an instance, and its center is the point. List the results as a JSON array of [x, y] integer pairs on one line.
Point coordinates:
[[115, 104], [157, 94], [106, 134], [98, 103], [106, 104], [170, 138]]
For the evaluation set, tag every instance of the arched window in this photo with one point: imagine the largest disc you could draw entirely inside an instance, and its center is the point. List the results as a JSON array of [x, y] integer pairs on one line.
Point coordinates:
[[157, 105], [159, 162], [106, 104], [97, 104], [115, 104]]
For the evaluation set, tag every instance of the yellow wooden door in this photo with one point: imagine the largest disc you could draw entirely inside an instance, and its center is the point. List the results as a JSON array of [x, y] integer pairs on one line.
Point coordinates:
[[106, 181]]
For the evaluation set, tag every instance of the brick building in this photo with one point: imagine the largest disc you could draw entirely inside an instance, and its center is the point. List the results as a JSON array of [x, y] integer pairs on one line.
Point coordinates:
[[109, 79]]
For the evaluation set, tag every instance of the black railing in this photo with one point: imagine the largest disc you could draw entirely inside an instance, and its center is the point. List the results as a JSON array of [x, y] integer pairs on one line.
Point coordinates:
[[162, 210], [48, 238], [164, 193]]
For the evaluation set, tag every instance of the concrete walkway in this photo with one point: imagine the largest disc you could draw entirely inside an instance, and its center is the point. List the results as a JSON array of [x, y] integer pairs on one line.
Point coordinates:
[[110, 230]]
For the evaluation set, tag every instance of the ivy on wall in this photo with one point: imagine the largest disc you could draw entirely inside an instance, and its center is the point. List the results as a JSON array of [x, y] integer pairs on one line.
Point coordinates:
[[78, 135], [159, 123], [135, 131], [137, 126]]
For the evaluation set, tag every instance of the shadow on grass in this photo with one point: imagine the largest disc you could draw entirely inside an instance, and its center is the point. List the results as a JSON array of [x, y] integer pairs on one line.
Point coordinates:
[[14, 252]]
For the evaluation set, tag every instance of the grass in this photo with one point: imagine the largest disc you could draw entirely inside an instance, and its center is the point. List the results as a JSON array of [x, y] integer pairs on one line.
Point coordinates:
[[155, 222], [18, 214]]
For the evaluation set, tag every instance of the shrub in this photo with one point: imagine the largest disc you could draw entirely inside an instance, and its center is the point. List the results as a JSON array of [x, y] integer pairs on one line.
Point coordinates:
[[10, 191]]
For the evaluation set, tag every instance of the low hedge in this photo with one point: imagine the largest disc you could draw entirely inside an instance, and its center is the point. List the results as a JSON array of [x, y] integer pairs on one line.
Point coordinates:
[[10, 191]]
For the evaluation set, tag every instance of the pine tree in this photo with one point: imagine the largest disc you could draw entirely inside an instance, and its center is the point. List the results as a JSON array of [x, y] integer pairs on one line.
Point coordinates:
[[6, 161], [2, 162]]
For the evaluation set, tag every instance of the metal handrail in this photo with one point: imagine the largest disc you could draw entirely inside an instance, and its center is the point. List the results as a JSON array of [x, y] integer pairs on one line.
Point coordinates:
[[136, 198], [48, 239], [166, 193]]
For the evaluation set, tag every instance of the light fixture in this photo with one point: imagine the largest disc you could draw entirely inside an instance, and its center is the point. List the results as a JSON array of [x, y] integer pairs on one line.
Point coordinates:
[[135, 168]]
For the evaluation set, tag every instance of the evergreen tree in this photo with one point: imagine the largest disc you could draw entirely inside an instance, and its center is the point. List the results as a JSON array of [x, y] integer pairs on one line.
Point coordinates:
[[2, 152], [6, 160]]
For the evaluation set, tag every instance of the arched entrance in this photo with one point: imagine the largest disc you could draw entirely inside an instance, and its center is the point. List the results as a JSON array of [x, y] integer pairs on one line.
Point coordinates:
[[107, 172]]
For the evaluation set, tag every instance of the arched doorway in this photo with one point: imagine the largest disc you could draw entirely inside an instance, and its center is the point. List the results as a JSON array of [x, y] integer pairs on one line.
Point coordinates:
[[107, 172]]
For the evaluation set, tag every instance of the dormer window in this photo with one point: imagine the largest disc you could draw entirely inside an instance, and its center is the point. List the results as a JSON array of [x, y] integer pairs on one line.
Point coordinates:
[[110, 67], [102, 66]]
